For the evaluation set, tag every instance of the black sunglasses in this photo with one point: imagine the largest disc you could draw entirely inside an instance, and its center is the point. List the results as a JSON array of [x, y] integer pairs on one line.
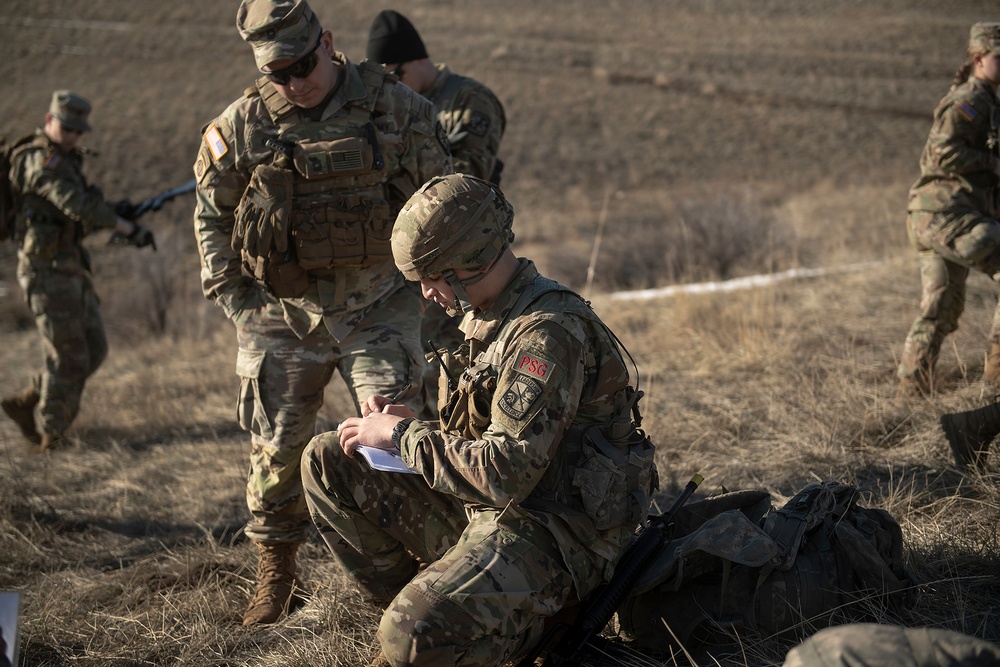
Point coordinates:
[[300, 69]]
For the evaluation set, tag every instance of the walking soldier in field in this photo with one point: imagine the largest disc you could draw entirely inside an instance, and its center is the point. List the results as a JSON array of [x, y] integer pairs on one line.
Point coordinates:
[[474, 120], [55, 208], [299, 182], [532, 483]]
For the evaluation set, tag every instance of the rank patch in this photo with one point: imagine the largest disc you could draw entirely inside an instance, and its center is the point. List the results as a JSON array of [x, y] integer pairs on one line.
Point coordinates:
[[53, 161], [216, 144], [967, 110], [518, 399]]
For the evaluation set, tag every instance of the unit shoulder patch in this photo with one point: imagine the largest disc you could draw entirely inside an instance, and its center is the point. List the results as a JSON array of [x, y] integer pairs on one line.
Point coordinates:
[[516, 402], [479, 123]]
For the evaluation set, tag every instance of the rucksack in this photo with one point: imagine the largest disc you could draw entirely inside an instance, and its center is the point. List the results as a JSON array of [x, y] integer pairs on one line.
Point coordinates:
[[8, 200], [737, 564]]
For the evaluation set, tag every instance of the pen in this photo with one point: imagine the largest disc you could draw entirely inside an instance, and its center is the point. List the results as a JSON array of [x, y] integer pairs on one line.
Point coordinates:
[[399, 394], [392, 401]]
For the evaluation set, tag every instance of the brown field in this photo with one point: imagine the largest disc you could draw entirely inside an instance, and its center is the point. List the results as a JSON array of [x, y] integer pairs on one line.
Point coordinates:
[[695, 140]]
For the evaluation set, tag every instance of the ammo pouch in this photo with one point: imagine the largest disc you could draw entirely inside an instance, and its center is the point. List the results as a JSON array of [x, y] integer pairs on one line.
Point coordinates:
[[613, 480], [342, 216], [261, 232], [470, 405]]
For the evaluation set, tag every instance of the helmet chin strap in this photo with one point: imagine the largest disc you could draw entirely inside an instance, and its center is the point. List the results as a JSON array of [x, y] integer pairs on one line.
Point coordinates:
[[462, 302]]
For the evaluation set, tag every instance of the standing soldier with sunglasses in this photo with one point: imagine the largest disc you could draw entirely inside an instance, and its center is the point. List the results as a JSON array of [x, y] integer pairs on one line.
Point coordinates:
[[299, 183], [55, 209]]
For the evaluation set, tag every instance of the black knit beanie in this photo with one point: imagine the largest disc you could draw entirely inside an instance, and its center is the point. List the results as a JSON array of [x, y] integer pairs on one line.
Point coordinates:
[[393, 39]]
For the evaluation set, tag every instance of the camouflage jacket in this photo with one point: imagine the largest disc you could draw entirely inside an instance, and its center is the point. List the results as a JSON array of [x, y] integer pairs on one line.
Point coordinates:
[[958, 161], [234, 145], [552, 370], [56, 207], [473, 119]]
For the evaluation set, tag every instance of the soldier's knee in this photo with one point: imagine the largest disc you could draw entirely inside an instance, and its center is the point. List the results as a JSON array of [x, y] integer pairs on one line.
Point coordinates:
[[422, 628]]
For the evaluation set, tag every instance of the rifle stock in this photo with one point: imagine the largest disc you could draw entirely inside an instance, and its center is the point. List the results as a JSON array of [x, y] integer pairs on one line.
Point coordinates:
[[604, 602]]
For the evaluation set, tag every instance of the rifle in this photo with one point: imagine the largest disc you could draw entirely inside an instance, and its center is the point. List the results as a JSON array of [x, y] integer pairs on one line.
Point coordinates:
[[132, 212], [604, 602]]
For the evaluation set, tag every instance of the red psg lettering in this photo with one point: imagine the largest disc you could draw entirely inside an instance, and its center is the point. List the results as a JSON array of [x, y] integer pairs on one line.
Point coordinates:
[[532, 366]]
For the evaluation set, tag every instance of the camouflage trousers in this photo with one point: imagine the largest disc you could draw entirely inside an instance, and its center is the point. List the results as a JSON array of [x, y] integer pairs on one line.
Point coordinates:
[[949, 245], [282, 383], [74, 345], [490, 583]]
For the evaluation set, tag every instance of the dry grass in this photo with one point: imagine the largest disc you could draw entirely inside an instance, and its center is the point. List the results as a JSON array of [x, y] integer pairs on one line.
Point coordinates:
[[789, 141]]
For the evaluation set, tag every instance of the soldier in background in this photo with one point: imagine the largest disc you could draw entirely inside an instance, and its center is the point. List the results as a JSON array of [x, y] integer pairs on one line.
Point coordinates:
[[474, 120], [56, 209], [508, 511], [299, 182], [952, 211]]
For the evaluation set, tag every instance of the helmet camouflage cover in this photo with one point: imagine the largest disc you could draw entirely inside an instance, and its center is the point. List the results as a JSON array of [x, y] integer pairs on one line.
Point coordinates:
[[453, 222]]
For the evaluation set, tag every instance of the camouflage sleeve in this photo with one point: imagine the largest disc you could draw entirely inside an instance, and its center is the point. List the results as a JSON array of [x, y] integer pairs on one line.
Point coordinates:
[[541, 380], [958, 137], [424, 153], [51, 177], [220, 185], [475, 126]]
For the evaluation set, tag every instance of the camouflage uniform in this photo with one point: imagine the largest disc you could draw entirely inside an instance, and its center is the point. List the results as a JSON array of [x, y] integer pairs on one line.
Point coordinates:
[[474, 120], [952, 220], [57, 209], [872, 645], [327, 302], [517, 507]]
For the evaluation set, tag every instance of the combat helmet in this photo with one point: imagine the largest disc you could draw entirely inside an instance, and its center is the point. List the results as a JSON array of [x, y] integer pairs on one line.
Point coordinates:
[[453, 222]]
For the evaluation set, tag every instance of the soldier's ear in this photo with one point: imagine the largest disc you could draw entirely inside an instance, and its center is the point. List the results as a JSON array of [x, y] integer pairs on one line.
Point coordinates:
[[326, 39]]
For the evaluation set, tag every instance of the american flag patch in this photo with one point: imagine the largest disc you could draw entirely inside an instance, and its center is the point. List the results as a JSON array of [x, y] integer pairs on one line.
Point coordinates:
[[216, 144], [967, 110]]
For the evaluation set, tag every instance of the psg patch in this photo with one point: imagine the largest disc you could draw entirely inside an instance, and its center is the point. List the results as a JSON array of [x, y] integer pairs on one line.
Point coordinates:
[[518, 399]]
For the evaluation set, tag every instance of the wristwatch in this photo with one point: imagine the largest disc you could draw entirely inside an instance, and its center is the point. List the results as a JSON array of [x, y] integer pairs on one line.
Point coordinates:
[[399, 429]]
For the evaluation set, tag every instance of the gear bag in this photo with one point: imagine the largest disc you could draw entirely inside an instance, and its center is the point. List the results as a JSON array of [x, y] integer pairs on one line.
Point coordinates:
[[8, 201], [737, 564]]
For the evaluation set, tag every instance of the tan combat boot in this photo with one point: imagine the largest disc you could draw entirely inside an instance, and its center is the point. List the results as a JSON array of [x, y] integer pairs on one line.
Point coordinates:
[[970, 434], [380, 661], [278, 590], [991, 371], [21, 408]]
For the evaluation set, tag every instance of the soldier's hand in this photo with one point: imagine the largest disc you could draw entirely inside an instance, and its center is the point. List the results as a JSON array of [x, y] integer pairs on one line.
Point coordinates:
[[141, 237], [125, 209]]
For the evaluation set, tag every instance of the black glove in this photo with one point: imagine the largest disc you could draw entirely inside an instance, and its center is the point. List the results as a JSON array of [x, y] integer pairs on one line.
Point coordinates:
[[141, 237], [125, 209]]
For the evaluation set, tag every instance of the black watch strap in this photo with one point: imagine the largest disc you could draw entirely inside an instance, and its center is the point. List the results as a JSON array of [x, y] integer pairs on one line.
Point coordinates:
[[399, 429]]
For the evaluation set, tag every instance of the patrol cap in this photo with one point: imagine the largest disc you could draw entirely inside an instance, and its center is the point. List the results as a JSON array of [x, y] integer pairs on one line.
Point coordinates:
[[985, 36], [453, 222], [277, 29], [393, 39], [71, 110]]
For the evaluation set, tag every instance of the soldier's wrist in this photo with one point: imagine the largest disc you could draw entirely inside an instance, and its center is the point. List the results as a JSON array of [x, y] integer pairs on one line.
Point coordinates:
[[399, 430]]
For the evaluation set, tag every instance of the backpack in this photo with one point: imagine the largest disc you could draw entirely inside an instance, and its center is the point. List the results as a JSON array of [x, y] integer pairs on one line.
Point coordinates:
[[8, 200], [737, 564]]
